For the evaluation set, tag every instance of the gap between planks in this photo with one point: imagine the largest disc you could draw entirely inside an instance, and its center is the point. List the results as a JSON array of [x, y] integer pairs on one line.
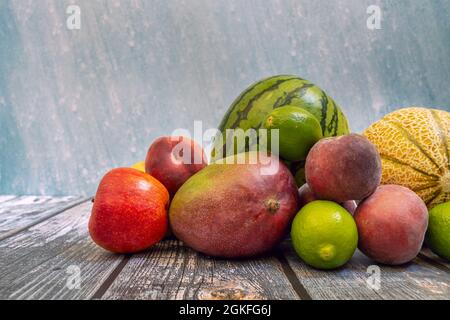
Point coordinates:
[[171, 270], [110, 280], [300, 290], [292, 279], [51, 213], [41, 262], [422, 256], [419, 279]]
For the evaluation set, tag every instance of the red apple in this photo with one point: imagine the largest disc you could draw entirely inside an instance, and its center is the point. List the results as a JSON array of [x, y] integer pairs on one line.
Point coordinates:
[[173, 160], [130, 211]]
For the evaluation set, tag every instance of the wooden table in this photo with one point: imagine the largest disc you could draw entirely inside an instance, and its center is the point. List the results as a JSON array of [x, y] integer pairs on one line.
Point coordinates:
[[46, 253]]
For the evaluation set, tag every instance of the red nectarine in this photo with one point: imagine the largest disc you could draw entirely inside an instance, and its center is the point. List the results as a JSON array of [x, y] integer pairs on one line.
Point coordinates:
[[173, 160]]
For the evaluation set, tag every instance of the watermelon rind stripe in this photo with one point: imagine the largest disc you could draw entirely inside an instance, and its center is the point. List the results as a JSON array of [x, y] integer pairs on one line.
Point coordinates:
[[243, 95], [323, 118]]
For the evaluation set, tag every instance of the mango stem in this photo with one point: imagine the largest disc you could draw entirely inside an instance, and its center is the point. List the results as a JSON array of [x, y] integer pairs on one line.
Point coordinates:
[[272, 205]]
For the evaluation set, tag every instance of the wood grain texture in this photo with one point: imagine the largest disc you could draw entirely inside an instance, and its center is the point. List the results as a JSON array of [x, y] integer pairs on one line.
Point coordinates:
[[172, 271], [427, 253], [39, 263], [17, 213], [5, 198], [417, 280]]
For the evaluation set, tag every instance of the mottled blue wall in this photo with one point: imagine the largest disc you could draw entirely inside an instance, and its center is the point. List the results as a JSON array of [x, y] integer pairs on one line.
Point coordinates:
[[74, 103]]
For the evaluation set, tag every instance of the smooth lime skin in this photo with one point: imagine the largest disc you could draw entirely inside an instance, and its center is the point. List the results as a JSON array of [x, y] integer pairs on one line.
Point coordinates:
[[438, 234], [298, 129], [324, 235]]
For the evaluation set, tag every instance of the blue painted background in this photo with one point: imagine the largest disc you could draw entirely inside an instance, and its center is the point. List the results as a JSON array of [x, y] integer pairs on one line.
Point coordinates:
[[75, 103]]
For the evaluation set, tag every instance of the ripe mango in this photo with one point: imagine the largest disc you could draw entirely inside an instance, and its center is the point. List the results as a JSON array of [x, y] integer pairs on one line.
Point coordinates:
[[235, 210]]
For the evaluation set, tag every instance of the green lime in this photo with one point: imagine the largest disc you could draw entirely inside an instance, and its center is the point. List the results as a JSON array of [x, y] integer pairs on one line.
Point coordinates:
[[438, 234], [324, 235], [298, 129]]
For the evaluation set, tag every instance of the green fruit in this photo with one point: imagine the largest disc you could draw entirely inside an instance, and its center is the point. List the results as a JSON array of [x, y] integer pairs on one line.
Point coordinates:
[[438, 234], [298, 129], [252, 107], [300, 178], [298, 171], [324, 235]]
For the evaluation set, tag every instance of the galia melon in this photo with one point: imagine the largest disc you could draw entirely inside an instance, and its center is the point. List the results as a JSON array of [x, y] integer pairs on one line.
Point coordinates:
[[414, 145]]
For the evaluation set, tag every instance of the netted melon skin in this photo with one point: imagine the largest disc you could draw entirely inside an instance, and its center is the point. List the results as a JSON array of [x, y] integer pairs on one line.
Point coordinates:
[[414, 145]]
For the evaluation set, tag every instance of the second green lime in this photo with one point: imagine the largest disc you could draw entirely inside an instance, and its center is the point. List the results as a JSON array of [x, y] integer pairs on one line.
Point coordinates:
[[298, 129], [324, 235], [438, 234]]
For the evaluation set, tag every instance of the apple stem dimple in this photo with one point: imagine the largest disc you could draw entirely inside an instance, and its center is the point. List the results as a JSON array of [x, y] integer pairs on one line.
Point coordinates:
[[272, 205]]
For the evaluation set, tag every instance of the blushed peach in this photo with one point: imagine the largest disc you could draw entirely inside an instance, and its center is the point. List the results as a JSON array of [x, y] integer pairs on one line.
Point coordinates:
[[343, 168], [391, 225]]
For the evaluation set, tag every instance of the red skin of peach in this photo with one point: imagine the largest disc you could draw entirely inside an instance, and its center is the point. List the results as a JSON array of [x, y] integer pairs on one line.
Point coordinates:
[[343, 168], [232, 218], [306, 196], [391, 225], [171, 166], [129, 212]]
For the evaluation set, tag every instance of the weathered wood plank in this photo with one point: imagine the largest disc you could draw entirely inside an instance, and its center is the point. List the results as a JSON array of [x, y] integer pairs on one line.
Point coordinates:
[[172, 271], [39, 263], [43, 261], [4, 198], [426, 253], [417, 280], [17, 213]]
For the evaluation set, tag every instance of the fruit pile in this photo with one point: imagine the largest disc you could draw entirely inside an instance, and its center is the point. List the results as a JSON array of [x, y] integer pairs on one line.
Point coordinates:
[[370, 191]]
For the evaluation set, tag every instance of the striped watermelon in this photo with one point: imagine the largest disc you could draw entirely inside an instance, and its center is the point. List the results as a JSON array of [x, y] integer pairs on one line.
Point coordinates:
[[251, 108]]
